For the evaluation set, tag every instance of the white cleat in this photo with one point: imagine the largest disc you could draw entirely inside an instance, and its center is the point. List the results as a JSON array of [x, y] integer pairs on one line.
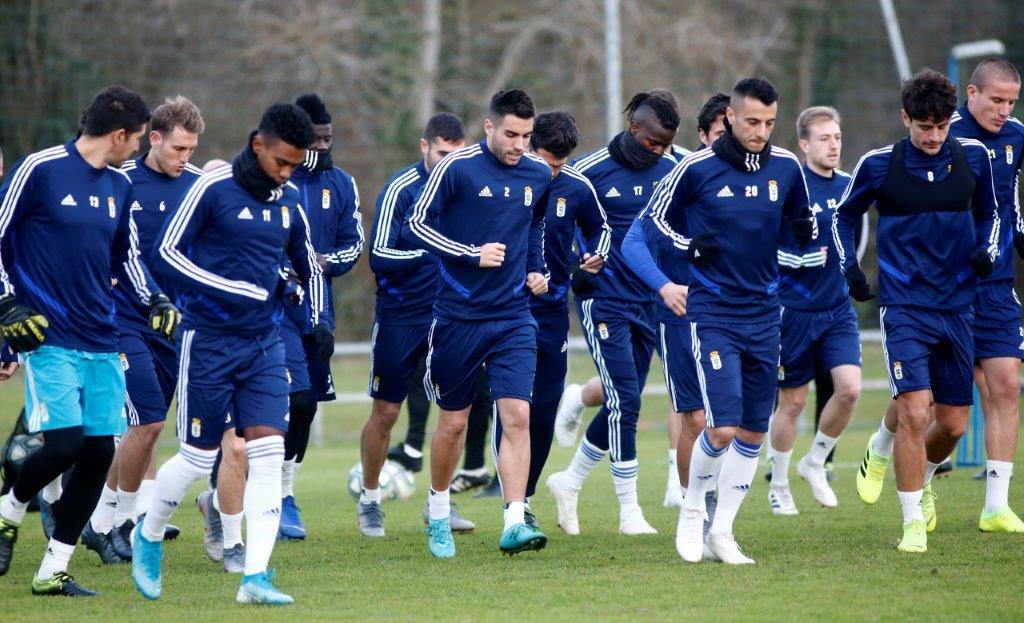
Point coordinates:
[[565, 503], [710, 555], [567, 418], [816, 477], [673, 495], [723, 545], [690, 534], [633, 523], [781, 500]]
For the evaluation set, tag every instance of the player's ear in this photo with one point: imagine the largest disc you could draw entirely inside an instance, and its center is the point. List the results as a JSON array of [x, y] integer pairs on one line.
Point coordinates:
[[488, 126], [905, 117], [258, 143], [424, 146]]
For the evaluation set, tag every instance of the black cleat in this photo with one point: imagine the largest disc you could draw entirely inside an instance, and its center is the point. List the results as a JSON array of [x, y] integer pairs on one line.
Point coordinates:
[[398, 454], [47, 517], [121, 539], [944, 469], [531, 519], [467, 482], [8, 537], [60, 583], [102, 545], [492, 490]]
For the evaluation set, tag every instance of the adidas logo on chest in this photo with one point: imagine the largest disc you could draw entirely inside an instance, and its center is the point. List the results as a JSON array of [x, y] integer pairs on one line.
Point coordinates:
[[725, 192], [612, 193]]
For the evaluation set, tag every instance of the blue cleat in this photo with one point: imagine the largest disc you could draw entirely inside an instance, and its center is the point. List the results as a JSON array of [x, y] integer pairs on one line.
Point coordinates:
[[146, 559], [46, 516], [291, 521], [521, 538], [439, 538], [257, 589]]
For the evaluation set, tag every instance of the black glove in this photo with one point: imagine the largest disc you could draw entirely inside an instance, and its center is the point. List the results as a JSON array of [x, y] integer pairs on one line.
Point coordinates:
[[1018, 243], [24, 330], [803, 229], [703, 249], [582, 283], [857, 283], [290, 286], [324, 342], [164, 317], [981, 262]]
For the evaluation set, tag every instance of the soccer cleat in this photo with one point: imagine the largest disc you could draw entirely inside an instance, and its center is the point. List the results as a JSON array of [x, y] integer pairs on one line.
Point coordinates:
[[213, 530], [458, 522], [60, 583], [291, 520], [871, 475], [398, 454], [521, 538], [439, 538], [371, 519], [565, 503], [121, 539], [781, 500], [723, 546], [915, 537], [944, 469], [567, 418], [673, 495], [46, 517], [464, 481], [258, 589], [928, 498], [531, 519], [8, 537], [147, 557], [234, 558], [690, 534], [830, 471], [633, 523], [101, 544], [492, 490], [1002, 520], [710, 506], [816, 476]]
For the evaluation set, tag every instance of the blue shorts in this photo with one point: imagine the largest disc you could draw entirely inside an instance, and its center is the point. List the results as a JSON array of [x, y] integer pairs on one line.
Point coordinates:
[[680, 373], [218, 373], [830, 337], [927, 349], [737, 366], [997, 327], [294, 357], [397, 349], [150, 371], [457, 349], [552, 355], [65, 388]]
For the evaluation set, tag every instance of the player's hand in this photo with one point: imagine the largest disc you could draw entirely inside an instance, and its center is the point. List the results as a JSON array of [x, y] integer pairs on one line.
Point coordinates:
[[7, 370], [536, 283], [592, 263], [164, 317], [803, 230], [24, 330], [857, 283], [1018, 243], [982, 263], [703, 249], [322, 261], [582, 284], [492, 255], [324, 342], [291, 286], [674, 297]]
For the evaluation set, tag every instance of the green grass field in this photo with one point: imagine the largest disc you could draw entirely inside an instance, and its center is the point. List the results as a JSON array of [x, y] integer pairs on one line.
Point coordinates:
[[834, 565]]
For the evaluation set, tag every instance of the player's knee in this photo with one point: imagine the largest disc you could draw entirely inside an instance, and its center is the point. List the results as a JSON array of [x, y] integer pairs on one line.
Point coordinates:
[[694, 421], [516, 420], [233, 448], [148, 433], [63, 445], [792, 402], [914, 418], [952, 427], [1006, 391], [721, 437], [385, 414], [847, 394]]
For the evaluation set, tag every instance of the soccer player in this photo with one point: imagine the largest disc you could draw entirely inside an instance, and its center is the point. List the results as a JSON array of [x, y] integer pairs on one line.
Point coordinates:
[[618, 313], [407, 280], [938, 231], [734, 199], [572, 204], [331, 200], [818, 321], [65, 221], [482, 213], [224, 247]]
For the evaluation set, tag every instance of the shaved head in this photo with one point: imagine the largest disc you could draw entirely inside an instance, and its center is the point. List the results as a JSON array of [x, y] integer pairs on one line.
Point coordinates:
[[993, 70]]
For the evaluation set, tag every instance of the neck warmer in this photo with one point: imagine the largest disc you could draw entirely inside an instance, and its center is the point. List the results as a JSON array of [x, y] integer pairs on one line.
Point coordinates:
[[317, 161], [247, 172], [728, 148], [627, 151]]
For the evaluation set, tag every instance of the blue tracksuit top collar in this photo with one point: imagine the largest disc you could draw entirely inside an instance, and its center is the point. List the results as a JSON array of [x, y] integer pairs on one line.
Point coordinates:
[[810, 174], [974, 128], [74, 153], [144, 169]]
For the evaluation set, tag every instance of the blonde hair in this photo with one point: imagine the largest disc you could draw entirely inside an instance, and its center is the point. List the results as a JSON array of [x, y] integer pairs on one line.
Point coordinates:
[[177, 112], [813, 115]]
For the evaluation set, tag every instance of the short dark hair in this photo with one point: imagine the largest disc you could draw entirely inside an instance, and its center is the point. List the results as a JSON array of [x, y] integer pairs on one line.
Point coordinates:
[[114, 108], [512, 102], [555, 132], [928, 95], [314, 106], [757, 88], [662, 102], [289, 123], [712, 110], [994, 69], [446, 126]]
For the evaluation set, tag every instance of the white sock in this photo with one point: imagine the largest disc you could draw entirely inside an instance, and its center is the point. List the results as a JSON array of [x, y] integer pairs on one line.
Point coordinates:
[[370, 495], [780, 466], [232, 526], [820, 448], [287, 478], [215, 501], [737, 474], [52, 492], [705, 463], [882, 445], [624, 474], [262, 502], [439, 504], [911, 503], [673, 469], [583, 462], [412, 452], [683, 490], [929, 470], [173, 480], [57, 557], [12, 509], [514, 514], [997, 485], [102, 519], [295, 473], [127, 502], [146, 490]]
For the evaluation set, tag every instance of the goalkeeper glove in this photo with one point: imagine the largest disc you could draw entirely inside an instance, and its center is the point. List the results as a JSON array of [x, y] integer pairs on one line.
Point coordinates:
[[24, 330], [164, 317], [981, 262], [803, 230], [857, 283]]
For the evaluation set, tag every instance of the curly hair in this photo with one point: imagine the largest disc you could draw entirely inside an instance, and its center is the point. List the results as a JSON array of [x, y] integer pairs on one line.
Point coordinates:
[[289, 123], [928, 96]]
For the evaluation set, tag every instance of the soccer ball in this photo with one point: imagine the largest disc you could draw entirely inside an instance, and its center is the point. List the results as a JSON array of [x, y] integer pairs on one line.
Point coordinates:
[[396, 482]]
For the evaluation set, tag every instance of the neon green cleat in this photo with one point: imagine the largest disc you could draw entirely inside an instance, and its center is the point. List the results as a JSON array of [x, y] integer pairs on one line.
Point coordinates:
[[1002, 520], [871, 474], [915, 537], [928, 498]]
